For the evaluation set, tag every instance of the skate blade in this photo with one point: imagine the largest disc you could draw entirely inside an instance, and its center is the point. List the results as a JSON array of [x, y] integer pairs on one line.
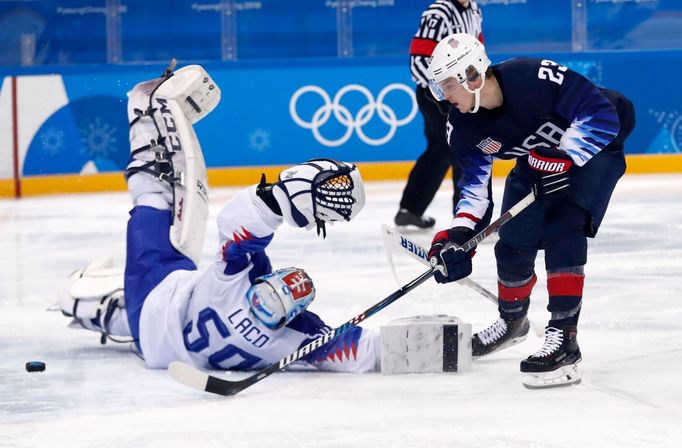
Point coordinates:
[[563, 376]]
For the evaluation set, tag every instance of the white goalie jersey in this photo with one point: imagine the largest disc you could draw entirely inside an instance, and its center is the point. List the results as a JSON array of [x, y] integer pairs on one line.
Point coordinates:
[[203, 318]]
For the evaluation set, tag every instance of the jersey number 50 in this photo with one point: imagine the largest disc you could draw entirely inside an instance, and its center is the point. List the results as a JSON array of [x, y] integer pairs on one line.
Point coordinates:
[[552, 71], [243, 361]]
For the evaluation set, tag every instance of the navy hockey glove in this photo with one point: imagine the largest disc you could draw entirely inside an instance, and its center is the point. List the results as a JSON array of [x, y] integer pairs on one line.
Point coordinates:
[[552, 172], [451, 264]]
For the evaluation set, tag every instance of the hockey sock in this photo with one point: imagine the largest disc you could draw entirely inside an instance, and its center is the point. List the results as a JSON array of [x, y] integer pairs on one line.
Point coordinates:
[[565, 288], [514, 297], [516, 278]]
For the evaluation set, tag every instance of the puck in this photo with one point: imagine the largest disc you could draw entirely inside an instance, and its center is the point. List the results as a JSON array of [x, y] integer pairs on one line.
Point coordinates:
[[35, 366]]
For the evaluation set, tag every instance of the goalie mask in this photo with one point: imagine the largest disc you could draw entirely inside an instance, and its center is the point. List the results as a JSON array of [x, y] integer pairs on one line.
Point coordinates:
[[458, 60], [319, 191], [276, 298]]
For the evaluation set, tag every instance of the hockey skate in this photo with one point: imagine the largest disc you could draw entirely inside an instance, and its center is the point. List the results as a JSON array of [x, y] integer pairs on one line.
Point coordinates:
[[502, 334], [555, 364], [405, 218]]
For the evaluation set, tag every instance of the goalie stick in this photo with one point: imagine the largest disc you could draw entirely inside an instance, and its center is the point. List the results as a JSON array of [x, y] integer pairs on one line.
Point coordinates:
[[392, 238], [193, 377]]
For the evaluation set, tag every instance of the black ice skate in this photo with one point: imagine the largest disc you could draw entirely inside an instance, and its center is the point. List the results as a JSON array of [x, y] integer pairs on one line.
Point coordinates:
[[555, 364], [406, 218], [502, 334]]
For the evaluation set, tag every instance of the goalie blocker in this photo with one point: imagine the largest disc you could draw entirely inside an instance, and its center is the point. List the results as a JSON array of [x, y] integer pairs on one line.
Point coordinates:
[[426, 344]]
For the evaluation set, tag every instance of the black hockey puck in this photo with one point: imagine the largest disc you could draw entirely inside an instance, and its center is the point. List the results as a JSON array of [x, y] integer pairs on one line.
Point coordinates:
[[35, 366]]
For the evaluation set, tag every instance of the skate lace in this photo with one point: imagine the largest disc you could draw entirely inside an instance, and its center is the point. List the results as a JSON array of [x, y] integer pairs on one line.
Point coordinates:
[[553, 340], [493, 332]]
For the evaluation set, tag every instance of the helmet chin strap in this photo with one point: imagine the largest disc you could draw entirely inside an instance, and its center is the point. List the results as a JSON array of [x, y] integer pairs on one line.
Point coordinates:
[[477, 96], [477, 101]]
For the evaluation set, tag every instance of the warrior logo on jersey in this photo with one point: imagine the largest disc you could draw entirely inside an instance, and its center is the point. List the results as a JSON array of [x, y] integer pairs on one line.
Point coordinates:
[[299, 284], [489, 146]]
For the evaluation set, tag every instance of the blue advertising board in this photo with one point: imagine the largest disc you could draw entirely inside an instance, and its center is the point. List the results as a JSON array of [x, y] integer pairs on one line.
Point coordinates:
[[360, 110]]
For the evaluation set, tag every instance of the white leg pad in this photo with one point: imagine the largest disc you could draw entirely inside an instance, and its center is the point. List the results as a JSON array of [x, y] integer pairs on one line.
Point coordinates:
[[190, 209], [162, 133], [426, 344], [192, 88]]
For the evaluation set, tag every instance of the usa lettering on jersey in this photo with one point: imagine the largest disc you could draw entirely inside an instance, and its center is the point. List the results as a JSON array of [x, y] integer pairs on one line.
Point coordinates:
[[547, 135]]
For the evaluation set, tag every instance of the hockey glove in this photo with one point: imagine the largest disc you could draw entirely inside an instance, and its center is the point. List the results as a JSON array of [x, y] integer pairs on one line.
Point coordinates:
[[452, 264], [551, 169], [319, 191]]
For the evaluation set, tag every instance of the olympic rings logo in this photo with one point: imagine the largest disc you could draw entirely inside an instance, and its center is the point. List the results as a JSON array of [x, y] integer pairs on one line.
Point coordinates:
[[344, 116]]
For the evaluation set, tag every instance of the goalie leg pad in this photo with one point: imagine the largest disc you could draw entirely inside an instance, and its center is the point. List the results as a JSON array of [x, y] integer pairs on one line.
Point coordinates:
[[168, 167], [190, 206], [193, 89], [94, 298], [426, 344]]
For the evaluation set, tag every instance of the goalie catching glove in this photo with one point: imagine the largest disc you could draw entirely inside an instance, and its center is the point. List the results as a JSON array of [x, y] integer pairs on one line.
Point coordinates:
[[451, 264], [316, 192]]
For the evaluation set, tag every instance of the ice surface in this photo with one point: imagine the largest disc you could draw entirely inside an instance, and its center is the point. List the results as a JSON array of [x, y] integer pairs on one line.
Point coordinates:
[[103, 396]]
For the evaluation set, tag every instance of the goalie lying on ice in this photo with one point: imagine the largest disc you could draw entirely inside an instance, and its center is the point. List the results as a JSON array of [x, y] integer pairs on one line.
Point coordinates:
[[238, 313]]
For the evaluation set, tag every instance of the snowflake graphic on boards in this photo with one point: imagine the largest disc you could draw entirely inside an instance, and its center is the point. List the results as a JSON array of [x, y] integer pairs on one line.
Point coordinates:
[[98, 137], [52, 140], [259, 140]]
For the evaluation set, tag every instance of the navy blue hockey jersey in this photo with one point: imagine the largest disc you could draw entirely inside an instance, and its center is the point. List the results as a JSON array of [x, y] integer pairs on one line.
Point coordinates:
[[544, 104]]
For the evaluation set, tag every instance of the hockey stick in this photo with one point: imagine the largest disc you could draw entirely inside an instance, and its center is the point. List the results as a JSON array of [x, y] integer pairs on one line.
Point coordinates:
[[495, 226], [192, 377], [393, 239]]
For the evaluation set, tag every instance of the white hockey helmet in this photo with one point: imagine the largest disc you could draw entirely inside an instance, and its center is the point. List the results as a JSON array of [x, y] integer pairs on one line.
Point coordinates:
[[460, 59], [276, 298]]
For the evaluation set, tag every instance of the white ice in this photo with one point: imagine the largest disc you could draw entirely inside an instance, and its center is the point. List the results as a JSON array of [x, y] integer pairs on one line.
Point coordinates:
[[103, 396]]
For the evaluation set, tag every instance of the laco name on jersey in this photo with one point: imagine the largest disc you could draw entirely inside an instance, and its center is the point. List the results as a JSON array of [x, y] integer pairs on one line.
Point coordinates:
[[246, 328]]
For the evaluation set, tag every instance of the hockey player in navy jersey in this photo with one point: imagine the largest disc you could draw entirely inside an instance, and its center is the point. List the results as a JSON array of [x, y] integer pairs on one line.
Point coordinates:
[[567, 137], [238, 313], [441, 18]]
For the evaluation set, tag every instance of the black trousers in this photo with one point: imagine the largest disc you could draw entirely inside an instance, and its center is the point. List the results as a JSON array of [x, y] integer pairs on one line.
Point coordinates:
[[430, 168]]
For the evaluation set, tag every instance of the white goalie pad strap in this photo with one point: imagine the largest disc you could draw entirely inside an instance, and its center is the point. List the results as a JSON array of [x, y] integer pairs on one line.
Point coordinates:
[[190, 192], [426, 344], [194, 91], [143, 132]]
